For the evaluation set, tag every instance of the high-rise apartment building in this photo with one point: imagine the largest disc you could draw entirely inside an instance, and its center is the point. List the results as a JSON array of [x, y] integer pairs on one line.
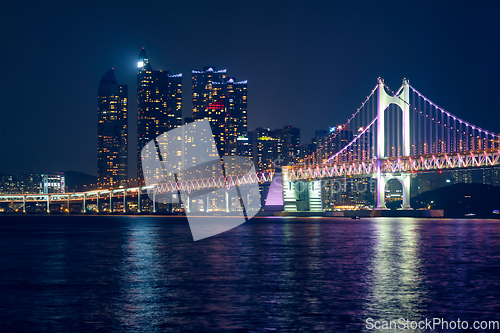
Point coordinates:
[[159, 104], [329, 143], [272, 148], [223, 101], [203, 90], [236, 105], [266, 154], [288, 147], [112, 132], [244, 146]]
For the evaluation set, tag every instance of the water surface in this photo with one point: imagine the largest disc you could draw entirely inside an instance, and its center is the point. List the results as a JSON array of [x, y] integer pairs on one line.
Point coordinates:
[[145, 274]]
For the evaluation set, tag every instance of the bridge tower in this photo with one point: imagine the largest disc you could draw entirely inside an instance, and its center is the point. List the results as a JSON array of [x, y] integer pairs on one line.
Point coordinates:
[[384, 100]]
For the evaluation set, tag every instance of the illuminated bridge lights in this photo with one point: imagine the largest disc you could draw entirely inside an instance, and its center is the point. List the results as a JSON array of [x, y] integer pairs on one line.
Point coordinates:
[[227, 182], [429, 162]]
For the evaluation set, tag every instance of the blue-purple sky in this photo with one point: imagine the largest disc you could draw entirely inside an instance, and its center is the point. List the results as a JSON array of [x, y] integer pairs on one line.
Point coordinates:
[[308, 64]]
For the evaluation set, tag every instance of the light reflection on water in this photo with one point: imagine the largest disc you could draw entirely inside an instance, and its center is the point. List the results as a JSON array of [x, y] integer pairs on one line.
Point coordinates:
[[145, 274], [396, 286], [140, 272]]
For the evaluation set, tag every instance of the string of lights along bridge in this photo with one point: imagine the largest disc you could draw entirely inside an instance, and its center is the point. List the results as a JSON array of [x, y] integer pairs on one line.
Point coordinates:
[[390, 136]]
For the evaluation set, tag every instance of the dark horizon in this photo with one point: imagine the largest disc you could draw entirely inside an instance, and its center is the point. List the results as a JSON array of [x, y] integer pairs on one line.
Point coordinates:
[[307, 64]]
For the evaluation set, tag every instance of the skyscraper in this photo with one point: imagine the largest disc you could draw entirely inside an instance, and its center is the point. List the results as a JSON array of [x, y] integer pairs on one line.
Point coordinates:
[[203, 92], [223, 101], [111, 132], [288, 144], [326, 145], [236, 106], [159, 104], [272, 148]]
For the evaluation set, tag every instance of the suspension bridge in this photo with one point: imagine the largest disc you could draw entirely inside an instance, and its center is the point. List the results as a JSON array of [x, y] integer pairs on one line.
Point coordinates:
[[390, 136]]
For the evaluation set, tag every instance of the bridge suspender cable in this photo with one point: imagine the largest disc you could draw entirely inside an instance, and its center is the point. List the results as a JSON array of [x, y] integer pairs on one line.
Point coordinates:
[[474, 137], [326, 144], [350, 143]]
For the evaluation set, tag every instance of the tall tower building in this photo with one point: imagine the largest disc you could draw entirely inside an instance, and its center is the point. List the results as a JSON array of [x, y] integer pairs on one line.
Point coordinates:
[[223, 101], [159, 104], [203, 89], [236, 106], [111, 132]]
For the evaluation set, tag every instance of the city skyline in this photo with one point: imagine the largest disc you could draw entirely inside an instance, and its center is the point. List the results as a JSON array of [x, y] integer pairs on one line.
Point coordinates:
[[310, 88]]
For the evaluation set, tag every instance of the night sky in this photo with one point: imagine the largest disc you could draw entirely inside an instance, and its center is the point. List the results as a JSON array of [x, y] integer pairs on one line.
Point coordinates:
[[308, 64]]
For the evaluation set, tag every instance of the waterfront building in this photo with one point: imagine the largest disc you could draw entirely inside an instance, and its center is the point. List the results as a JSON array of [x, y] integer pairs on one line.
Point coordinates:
[[327, 143], [264, 148], [41, 183], [288, 144], [491, 176], [112, 132], [269, 147], [357, 192], [267, 152], [462, 175], [319, 140], [307, 149], [53, 182], [424, 184], [343, 137], [21, 184], [159, 105]]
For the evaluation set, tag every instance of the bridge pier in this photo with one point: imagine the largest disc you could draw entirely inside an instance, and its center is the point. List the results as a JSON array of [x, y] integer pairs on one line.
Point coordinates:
[[382, 180], [139, 200], [228, 202], [406, 191], [124, 201], [289, 201], [309, 193], [187, 208], [314, 191], [154, 200]]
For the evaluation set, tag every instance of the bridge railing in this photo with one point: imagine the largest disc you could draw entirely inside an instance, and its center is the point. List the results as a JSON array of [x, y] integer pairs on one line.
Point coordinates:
[[429, 162]]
